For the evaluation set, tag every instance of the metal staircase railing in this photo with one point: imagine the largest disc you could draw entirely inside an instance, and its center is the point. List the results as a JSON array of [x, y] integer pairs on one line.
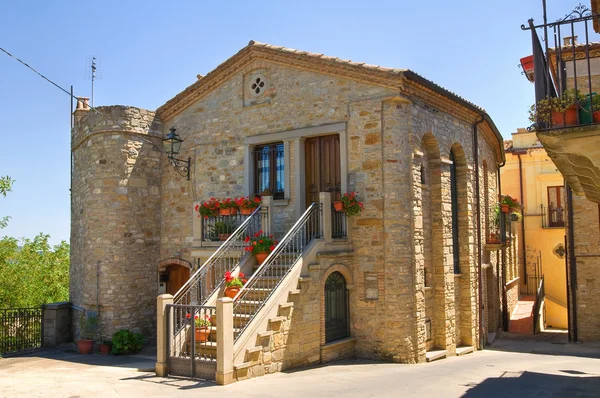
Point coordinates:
[[261, 285], [539, 298], [209, 277]]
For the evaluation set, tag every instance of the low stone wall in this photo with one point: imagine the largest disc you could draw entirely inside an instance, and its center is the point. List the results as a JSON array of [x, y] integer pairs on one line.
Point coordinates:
[[337, 350], [512, 295], [56, 324]]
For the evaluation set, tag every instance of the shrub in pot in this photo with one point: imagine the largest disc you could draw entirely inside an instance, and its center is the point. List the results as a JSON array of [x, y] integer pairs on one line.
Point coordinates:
[[126, 342], [88, 325]]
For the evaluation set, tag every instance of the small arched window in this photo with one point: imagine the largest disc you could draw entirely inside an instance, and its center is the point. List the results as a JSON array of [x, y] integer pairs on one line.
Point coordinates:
[[454, 198], [337, 325]]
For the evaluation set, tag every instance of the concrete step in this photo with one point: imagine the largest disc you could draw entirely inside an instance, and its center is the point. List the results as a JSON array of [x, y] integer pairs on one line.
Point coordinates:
[[434, 355], [464, 350]]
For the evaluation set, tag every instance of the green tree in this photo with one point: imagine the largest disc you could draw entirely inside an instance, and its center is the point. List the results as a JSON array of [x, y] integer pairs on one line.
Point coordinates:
[[34, 273], [5, 187]]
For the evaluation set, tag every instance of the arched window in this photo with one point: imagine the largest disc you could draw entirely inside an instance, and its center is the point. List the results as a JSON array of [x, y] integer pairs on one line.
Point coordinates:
[[337, 325], [454, 195]]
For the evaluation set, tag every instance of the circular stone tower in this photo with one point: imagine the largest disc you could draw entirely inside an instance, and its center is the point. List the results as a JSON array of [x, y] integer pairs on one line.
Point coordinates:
[[115, 216]]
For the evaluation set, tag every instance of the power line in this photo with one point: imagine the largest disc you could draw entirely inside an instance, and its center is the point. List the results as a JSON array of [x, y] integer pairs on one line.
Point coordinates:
[[71, 95]]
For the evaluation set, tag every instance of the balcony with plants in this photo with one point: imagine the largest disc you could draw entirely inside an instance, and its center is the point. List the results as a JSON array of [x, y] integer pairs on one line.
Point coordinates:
[[220, 217], [565, 70]]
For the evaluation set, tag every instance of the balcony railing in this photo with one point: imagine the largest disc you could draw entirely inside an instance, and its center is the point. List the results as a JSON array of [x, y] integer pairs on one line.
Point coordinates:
[[566, 69], [553, 217], [218, 228]]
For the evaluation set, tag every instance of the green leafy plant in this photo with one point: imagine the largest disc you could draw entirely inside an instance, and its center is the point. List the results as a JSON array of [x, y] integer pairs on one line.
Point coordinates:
[[222, 227], [126, 342], [260, 243], [511, 202], [543, 109], [88, 326], [351, 205]]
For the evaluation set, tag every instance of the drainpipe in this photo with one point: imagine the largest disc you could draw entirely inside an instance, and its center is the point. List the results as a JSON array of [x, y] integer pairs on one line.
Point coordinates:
[[523, 221], [503, 268], [478, 201], [573, 265]]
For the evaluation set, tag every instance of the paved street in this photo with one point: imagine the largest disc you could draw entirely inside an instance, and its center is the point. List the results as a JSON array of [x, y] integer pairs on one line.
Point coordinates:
[[539, 370]]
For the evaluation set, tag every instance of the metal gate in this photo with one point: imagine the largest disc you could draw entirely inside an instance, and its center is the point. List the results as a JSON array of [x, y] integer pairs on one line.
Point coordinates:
[[20, 330], [191, 340]]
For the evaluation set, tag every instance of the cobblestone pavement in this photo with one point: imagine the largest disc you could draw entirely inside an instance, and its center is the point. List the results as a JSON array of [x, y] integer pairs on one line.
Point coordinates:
[[509, 368]]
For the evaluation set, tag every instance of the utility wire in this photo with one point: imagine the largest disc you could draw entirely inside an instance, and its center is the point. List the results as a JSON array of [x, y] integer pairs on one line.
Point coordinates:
[[72, 96]]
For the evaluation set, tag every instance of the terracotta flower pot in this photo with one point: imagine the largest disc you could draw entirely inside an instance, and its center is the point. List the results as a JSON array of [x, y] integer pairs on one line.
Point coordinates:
[[228, 212], [261, 257], [338, 206], [224, 237], [504, 208], [246, 212], [231, 292], [85, 346], [568, 118], [105, 349], [596, 116], [203, 333]]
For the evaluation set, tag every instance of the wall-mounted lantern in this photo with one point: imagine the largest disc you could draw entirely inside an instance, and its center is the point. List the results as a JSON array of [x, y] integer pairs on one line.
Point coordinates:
[[172, 144]]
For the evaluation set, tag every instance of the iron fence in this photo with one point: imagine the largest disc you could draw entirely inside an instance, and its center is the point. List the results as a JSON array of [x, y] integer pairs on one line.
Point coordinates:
[[219, 228], [339, 224], [191, 340], [21, 329]]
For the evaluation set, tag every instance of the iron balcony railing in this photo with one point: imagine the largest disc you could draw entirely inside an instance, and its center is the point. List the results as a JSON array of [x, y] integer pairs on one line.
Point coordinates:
[[339, 224], [564, 68], [219, 228], [553, 217], [20, 329], [261, 285], [209, 277]]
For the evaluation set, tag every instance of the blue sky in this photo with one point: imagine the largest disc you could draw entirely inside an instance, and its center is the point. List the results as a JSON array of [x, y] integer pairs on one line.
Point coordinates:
[[149, 51]]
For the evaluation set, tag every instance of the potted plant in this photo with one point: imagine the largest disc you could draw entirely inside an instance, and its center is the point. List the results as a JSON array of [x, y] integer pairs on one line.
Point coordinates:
[[88, 324], [209, 208], [349, 204], [202, 327], [248, 205], [508, 203], [223, 229], [126, 342], [233, 284], [228, 207], [494, 237], [260, 246], [105, 346]]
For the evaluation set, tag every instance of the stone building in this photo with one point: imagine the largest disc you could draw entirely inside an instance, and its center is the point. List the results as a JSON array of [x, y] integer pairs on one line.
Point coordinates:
[[423, 160]]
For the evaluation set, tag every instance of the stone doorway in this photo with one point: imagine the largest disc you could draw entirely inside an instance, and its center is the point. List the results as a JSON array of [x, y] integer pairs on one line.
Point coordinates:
[[178, 275]]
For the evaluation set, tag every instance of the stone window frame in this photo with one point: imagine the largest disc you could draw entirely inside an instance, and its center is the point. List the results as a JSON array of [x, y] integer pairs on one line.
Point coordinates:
[[297, 138]]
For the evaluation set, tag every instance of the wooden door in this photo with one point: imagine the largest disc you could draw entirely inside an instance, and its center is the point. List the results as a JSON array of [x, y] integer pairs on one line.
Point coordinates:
[[323, 167], [178, 275]]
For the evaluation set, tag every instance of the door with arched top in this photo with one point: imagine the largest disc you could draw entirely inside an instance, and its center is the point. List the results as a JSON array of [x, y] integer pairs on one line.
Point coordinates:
[[337, 322]]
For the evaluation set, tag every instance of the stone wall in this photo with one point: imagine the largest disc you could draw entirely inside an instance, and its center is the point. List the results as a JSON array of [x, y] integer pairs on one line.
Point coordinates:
[[56, 324], [587, 249], [115, 226]]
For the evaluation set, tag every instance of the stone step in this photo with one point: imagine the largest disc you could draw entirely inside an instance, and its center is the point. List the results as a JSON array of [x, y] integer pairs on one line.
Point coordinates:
[[434, 355], [464, 350]]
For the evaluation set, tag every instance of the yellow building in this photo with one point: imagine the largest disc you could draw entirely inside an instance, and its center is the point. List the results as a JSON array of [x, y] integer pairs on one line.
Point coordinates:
[[531, 177]]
